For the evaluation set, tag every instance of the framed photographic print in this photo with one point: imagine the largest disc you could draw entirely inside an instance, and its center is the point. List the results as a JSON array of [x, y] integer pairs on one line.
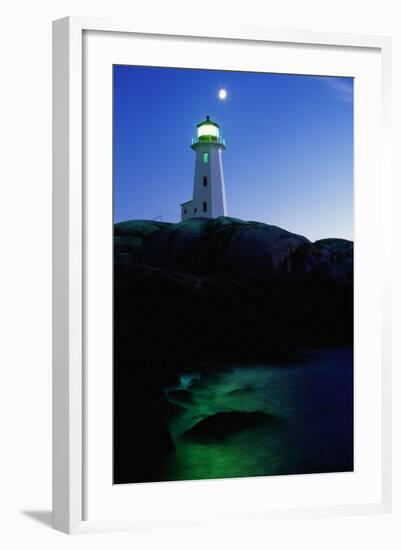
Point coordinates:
[[220, 327]]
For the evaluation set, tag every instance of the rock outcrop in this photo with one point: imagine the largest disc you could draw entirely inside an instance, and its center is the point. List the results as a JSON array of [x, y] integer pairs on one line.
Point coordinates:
[[218, 426], [233, 249], [203, 288], [204, 293]]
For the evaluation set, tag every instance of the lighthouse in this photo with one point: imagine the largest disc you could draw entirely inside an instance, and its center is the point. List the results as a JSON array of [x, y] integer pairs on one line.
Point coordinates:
[[209, 196]]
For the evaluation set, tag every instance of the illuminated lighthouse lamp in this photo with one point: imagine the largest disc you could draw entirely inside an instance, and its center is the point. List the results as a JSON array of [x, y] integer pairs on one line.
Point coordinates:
[[208, 130]]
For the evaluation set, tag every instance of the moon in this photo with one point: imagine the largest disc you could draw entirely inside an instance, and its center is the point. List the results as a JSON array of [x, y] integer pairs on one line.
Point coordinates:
[[222, 94]]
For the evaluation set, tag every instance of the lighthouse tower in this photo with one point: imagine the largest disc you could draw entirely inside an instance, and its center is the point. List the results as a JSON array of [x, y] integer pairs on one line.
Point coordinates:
[[209, 196]]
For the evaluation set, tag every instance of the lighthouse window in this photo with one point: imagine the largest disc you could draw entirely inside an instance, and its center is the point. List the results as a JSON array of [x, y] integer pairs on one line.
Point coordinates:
[[205, 158], [195, 210], [204, 206], [204, 181]]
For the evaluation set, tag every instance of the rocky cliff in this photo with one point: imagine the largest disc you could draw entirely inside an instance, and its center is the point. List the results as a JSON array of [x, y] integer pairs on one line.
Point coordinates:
[[203, 293], [233, 249], [227, 286]]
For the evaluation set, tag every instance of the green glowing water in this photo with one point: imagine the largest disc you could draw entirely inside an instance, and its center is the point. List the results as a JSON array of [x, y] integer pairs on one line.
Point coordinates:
[[312, 399]]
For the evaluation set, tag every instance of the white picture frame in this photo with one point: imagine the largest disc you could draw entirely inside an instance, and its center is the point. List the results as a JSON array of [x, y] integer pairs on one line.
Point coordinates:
[[71, 420]]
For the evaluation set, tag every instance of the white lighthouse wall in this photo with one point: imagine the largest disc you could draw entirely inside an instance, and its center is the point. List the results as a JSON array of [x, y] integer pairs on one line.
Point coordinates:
[[217, 187], [213, 193], [201, 193]]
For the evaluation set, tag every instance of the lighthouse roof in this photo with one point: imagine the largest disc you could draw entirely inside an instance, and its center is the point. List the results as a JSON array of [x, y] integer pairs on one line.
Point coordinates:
[[207, 121]]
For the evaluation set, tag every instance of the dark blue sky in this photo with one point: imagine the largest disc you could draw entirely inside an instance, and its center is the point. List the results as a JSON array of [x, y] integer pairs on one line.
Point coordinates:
[[289, 138]]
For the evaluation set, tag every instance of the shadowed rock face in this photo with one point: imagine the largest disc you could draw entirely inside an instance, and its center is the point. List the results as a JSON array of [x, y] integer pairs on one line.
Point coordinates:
[[204, 288], [233, 249], [171, 409], [241, 391], [223, 424], [141, 436], [211, 291], [183, 396]]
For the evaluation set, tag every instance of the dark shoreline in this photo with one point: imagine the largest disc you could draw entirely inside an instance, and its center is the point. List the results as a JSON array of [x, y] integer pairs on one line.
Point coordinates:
[[204, 294]]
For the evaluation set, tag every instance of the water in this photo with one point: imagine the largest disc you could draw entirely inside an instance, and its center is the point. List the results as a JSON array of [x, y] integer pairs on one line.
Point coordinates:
[[313, 400]]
